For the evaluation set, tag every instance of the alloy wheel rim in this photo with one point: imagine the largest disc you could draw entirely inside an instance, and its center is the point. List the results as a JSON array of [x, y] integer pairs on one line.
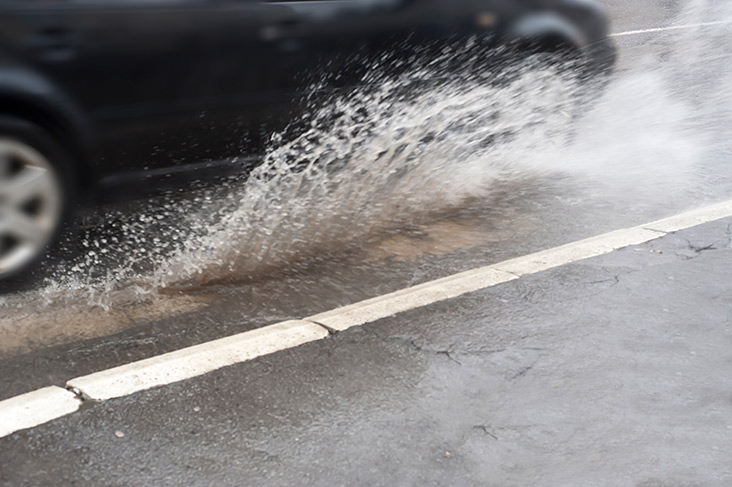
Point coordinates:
[[30, 204]]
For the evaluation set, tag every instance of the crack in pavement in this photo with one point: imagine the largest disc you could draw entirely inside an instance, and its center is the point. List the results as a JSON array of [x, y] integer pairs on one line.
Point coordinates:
[[696, 249], [615, 280], [449, 353], [523, 371], [485, 430], [452, 353], [699, 250]]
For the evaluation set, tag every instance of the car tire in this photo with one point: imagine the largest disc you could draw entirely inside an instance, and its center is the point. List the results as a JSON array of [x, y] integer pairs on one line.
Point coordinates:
[[36, 192]]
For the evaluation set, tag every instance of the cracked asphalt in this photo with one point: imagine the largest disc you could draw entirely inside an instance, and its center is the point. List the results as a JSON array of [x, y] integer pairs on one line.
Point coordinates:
[[608, 371]]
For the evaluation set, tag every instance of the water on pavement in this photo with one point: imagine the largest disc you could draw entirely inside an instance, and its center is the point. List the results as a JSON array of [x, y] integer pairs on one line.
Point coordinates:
[[405, 182]]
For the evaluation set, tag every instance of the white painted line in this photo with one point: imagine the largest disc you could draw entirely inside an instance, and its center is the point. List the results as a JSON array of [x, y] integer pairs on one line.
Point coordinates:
[[43, 405], [669, 28], [35, 408], [197, 360], [584, 249], [692, 218], [414, 297], [387, 305]]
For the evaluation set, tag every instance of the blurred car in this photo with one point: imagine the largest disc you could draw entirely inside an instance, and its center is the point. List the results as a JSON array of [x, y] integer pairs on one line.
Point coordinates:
[[99, 96]]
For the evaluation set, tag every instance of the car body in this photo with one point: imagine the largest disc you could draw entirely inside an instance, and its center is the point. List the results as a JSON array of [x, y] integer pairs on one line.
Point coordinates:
[[104, 94]]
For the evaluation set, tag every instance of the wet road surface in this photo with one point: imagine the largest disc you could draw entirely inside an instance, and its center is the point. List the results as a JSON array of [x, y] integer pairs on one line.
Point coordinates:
[[644, 151], [654, 169], [601, 372]]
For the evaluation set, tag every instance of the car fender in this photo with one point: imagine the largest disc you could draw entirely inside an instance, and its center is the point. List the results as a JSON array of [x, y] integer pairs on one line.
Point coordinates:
[[543, 25], [27, 94]]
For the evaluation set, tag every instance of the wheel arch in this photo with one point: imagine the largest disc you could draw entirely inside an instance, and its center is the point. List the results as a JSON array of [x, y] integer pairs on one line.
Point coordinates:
[[28, 97], [547, 31]]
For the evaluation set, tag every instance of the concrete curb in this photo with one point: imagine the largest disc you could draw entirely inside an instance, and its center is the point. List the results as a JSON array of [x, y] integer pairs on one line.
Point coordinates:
[[194, 361], [34, 408], [414, 297]]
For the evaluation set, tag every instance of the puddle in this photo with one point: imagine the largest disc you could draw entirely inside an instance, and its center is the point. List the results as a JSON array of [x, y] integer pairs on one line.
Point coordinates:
[[34, 327], [446, 237]]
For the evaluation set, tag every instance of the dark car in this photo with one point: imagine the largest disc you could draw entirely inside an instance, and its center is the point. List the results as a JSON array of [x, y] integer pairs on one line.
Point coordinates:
[[103, 94]]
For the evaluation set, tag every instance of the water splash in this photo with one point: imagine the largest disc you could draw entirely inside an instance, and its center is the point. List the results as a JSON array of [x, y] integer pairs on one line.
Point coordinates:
[[404, 149], [376, 159]]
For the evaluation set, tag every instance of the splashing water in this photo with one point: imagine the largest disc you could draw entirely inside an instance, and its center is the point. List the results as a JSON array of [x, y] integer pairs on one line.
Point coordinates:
[[373, 160], [394, 151], [404, 149]]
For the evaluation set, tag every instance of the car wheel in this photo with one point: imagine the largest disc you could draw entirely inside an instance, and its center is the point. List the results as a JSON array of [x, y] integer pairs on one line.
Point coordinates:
[[34, 198]]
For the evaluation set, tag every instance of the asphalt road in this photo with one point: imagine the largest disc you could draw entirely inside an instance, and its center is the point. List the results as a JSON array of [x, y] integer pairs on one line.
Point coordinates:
[[609, 371], [593, 374], [654, 146]]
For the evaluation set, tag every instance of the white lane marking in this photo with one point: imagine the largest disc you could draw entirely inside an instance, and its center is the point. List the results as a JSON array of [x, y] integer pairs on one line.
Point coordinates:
[[669, 28], [197, 360], [575, 251], [692, 218], [432, 292], [414, 297], [35, 408], [449, 287], [43, 405]]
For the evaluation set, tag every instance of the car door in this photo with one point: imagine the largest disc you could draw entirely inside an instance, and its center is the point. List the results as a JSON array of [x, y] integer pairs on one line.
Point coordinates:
[[325, 45], [164, 82]]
